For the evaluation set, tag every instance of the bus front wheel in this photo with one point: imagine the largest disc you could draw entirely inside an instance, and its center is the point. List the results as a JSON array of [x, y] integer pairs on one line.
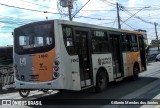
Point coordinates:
[[101, 80], [24, 93]]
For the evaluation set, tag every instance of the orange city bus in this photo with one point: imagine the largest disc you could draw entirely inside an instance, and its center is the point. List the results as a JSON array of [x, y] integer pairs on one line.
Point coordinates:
[[67, 55]]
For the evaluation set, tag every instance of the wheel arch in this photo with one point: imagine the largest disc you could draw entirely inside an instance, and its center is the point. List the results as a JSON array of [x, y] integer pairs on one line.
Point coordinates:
[[136, 64], [100, 86], [103, 68], [136, 71]]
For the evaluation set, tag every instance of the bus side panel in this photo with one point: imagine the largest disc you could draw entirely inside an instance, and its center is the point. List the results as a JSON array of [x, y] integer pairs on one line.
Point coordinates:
[[70, 71], [131, 58], [75, 72], [69, 64], [102, 60]]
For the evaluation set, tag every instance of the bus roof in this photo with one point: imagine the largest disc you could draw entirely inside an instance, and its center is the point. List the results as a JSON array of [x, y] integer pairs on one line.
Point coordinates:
[[85, 25], [96, 26], [135, 32]]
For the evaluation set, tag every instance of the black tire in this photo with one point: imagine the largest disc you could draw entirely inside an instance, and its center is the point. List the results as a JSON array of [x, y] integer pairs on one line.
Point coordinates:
[[135, 73], [24, 93], [44, 90], [101, 80]]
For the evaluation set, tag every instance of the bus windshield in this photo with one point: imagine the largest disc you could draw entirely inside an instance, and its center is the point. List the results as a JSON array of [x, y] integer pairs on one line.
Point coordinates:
[[33, 36]]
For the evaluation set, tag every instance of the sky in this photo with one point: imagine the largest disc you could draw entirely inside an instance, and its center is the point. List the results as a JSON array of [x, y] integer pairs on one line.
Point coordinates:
[[134, 14]]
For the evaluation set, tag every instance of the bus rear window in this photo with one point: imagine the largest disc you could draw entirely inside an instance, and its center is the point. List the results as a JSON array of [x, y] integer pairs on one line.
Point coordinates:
[[38, 41], [34, 36]]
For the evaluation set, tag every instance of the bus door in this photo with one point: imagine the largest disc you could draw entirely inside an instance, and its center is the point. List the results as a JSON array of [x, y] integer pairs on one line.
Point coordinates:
[[116, 55], [142, 52], [83, 51]]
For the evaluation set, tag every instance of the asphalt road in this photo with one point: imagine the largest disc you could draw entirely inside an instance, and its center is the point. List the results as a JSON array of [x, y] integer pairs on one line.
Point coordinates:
[[113, 91], [146, 87]]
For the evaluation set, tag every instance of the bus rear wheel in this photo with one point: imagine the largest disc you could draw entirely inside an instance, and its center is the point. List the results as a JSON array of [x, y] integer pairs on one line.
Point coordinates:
[[101, 81], [135, 73], [24, 93]]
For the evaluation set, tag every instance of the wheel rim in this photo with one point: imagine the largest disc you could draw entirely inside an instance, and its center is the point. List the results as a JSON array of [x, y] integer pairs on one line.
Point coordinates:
[[24, 92]]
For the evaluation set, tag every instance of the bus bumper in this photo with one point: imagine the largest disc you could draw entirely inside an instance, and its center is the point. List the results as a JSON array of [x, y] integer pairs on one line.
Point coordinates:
[[54, 84]]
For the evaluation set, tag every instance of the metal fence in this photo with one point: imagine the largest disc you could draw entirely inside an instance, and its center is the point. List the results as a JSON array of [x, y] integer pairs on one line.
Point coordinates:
[[7, 77]]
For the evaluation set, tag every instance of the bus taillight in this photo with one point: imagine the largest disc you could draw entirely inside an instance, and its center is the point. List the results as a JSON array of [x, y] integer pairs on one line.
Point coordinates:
[[55, 75], [56, 69], [56, 62]]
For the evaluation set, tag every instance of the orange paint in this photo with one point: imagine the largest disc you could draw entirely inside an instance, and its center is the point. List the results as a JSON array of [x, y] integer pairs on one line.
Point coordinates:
[[131, 58], [134, 32], [43, 64]]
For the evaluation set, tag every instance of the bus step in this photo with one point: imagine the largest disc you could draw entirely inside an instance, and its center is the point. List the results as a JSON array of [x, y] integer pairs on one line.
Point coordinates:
[[117, 75], [118, 79]]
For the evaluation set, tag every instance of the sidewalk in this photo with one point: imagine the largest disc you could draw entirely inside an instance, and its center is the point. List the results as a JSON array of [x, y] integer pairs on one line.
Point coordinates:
[[152, 106], [146, 92]]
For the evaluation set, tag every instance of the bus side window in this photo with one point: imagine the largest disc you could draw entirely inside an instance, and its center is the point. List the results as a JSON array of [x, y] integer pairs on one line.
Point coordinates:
[[68, 39], [126, 42], [99, 42], [134, 44]]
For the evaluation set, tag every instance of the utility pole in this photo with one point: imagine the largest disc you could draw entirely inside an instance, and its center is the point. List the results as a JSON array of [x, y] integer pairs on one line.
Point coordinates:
[[119, 25], [156, 35], [69, 4], [80, 9], [70, 9]]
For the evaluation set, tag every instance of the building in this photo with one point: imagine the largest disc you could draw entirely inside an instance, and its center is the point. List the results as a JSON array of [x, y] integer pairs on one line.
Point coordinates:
[[153, 49]]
